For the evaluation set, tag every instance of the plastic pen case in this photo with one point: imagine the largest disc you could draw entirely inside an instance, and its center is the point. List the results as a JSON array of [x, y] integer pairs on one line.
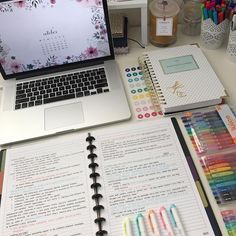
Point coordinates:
[[211, 129], [220, 169]]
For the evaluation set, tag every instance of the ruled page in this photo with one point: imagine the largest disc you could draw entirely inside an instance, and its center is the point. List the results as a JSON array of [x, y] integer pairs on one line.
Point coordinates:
[[46, 190], [143, 167]]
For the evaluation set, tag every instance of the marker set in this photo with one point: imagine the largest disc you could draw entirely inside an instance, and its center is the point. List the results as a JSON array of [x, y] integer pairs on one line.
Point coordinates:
[[208, 132], [212, 133], [229, 217], [169, 223], [220, 170], [143, 107]]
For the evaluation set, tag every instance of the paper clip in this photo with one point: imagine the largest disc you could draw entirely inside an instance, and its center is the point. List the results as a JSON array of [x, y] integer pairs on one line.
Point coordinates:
[[153, 223], [127, 227], [176, 219], [166, 222], [141, 225]]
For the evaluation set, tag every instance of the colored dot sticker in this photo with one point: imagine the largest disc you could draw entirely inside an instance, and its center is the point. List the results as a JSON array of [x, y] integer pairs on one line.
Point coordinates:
[[140, 116], [133, 68], [133, 91], [138, 109], [141, 96], [135, 97], [136, 79], [131, 86], [147, 115], [135, 74], [154, 113], [145, 108], [140, 90], [140, 72], [128, 75], [127, 69], [146, 89], [130, 80]]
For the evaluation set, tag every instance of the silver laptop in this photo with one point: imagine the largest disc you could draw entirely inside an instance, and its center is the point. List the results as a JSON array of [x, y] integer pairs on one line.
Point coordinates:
[[57, 61]]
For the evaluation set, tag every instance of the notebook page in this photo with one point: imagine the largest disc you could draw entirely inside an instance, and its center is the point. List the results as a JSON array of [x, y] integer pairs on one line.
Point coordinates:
[[45, 190], [143, 167]]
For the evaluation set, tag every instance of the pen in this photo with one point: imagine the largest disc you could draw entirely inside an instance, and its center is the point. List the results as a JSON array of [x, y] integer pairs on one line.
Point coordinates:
[[166, 221], [177, 220], [141, 225], [153, 223], [127, 227]]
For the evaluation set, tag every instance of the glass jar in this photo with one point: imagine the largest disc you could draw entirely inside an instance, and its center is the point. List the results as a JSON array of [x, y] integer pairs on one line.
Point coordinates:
[[191, 24], [163, 22]]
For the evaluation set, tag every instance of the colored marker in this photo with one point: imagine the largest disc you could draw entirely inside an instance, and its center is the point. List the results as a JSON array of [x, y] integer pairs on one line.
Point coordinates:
[[153, 223], [141, 225], [176, 217], [127, 227], [166, 222]]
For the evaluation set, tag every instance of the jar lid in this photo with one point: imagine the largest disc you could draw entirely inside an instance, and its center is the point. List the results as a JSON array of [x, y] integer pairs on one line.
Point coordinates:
[[164, 8]]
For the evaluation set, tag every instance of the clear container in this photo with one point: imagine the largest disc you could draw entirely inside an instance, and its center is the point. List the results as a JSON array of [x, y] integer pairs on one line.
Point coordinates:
[[191, 24], [163, 22]]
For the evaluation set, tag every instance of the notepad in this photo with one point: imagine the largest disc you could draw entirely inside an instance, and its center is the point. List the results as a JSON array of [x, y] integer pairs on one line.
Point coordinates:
[[181, 78], [86, 183]]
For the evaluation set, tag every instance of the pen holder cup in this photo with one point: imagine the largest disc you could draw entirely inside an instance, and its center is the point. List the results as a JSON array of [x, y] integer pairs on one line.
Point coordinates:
[[212, 35], [231, 47]]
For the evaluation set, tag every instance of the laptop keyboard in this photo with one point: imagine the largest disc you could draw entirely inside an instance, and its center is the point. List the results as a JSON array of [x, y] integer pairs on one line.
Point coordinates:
[[58, 88]]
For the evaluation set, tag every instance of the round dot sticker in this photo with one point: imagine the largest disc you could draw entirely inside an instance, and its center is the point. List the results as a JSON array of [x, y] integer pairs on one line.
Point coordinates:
[[145, 108], [140, 116], [133, 68], [147, 115], [127, 69], [130, 80], [154, 113], [135, 74], [129, 75], [133, 91], [140, 90], [138, 109], [136, 79]]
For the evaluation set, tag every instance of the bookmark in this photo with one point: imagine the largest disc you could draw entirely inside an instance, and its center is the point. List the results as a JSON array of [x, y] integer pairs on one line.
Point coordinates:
[[176, 218], [141, 225], [127, 227], [153, 223], [166, 222]]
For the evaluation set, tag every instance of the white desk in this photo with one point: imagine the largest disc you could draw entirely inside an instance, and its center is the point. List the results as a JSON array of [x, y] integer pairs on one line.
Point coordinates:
[[226, 71]]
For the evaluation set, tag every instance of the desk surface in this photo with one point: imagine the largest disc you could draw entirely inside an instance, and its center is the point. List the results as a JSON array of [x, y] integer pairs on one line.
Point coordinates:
[[225, 70]]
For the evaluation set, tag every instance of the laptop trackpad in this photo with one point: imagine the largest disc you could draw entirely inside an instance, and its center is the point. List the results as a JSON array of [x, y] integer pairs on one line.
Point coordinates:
[[64, 115]]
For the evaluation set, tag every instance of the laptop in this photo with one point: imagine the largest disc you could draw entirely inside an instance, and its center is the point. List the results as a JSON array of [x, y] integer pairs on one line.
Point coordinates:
[[57, 62]]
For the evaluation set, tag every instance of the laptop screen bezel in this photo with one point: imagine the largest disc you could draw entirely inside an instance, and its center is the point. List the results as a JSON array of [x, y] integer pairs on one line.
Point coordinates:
[[71, 66]]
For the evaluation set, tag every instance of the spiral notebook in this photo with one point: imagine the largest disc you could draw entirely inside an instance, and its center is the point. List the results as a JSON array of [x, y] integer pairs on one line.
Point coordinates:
[[86, 183], [181, 78]]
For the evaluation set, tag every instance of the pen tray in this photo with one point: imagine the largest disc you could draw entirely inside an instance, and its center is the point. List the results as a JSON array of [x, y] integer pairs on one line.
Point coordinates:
[[216, 148]]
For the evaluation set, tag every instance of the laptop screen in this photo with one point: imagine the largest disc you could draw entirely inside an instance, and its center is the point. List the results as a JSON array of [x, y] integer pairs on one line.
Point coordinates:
[[36, 35]]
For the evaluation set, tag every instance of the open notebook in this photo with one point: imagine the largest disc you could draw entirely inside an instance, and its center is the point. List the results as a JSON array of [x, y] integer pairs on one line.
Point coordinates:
[[55, 186], [181, 78]]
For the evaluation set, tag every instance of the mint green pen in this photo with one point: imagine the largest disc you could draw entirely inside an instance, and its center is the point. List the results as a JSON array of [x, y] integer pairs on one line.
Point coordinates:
[[140, 223]]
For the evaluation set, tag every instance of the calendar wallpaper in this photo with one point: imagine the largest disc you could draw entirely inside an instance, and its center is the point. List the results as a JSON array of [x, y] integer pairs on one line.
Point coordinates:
[[38, 34]]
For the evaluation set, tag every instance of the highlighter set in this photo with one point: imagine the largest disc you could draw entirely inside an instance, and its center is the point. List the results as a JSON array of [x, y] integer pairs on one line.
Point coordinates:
[[169, 223], [212, 132], [213, 135]]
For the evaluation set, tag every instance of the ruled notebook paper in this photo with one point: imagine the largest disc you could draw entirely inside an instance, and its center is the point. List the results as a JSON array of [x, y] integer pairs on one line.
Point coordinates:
[[47, 189], [142, 168], [182, 78]]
